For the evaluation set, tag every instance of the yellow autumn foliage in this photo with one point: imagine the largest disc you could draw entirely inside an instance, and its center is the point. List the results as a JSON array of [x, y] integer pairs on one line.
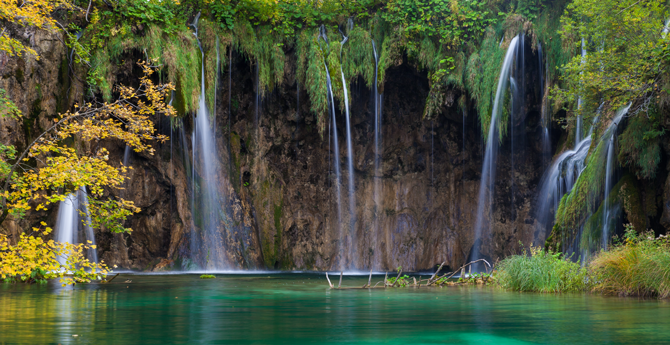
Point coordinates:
[[51, 168], [35, 13], [32, 259]]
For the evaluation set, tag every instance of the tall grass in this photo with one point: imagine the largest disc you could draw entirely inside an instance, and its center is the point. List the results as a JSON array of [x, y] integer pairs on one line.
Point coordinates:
[[541, 271], [638, 267]]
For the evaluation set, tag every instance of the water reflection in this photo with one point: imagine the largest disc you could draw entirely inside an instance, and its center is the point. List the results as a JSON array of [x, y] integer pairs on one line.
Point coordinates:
[[298, 308]]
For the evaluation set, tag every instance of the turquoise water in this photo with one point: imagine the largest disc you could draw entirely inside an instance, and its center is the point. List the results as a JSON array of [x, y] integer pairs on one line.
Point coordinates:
[[300, 309]]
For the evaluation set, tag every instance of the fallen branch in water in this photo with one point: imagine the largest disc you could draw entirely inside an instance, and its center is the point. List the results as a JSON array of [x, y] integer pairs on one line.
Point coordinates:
[[107, 281], [434, 280], [329, 283]]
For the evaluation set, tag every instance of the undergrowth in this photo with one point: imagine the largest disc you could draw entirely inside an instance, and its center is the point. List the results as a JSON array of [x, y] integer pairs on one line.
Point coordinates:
[[541, 271], [638, 266]]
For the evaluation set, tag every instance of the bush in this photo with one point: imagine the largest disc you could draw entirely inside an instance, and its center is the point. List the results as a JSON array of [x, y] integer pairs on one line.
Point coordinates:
[[640, 266], [541, 271]]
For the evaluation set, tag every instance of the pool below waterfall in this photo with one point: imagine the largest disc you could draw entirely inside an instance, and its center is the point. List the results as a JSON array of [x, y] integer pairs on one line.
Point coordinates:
[[299, 308]]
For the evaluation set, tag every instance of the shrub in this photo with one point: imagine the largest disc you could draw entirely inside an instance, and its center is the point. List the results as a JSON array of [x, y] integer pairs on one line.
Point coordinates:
[[541, 271], [640, 266]]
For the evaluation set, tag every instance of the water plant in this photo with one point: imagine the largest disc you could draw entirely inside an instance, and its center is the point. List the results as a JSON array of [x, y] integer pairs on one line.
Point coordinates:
[[639, 265], [207, 276], [538, 270]]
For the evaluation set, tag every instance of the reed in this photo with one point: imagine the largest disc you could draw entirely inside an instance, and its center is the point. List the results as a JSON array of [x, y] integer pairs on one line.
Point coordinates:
[[638, 267], [541, 271]]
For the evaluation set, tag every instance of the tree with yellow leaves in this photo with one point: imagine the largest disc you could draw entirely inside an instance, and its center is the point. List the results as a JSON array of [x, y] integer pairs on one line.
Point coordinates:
[[66, 158], [59, 169], [35, 13]]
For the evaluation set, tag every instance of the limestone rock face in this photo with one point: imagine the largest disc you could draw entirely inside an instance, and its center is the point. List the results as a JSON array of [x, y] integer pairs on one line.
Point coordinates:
[[37, 89], [278, 181]]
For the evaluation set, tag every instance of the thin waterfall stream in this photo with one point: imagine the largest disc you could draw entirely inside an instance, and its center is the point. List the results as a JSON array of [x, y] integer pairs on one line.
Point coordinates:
[[487, 182], [73, 223], [377, 196], [208, 243], [336, 150], [350, 162]]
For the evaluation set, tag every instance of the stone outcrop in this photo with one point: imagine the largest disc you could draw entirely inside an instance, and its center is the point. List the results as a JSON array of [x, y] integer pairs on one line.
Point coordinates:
[[277, 176]]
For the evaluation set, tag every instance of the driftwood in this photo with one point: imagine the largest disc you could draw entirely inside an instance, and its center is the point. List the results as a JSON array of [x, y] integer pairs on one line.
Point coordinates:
[[462, 268], [436, 272], [369, 280], [430, 281], [329, 283], [107, 281], [398, 277]]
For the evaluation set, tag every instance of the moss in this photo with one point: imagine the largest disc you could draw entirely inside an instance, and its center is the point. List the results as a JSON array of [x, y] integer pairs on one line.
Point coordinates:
[[215, 43], [64, 84], [263, 46], [632, 202], [358, 58], [640, 146], [19, 74], [235, 152], [481, 79], [311, 63], [178, 51], [625, 193], [278, 211]]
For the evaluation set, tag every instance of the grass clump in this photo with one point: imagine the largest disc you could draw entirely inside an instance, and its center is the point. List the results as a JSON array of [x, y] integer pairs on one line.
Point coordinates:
[[207, 276], [638, 266], [541, 271]]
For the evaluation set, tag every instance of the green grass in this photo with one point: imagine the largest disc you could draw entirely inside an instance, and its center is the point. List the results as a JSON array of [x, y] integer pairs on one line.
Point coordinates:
[[639, 267], [207, 276], [541, 271]]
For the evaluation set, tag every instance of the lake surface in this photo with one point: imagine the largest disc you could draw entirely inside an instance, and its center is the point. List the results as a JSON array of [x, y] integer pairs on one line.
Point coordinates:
[[300, 309]]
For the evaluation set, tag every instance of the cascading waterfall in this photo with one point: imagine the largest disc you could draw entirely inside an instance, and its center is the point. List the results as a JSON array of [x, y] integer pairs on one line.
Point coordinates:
[[610, 136], [336, 150], [557, 181], [487, 183], [350, 159], [70, 228], [207, 203], [377, 197]]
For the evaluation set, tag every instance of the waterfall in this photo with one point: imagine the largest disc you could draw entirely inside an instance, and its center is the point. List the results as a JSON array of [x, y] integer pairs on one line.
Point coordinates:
[[230, 92], [544, 110], [557, 181], [206, 200], [336, 150], [578, 126], [487, 182], [350, 161], [126, 156], [610, 136], [377, 197], [70, 228]]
